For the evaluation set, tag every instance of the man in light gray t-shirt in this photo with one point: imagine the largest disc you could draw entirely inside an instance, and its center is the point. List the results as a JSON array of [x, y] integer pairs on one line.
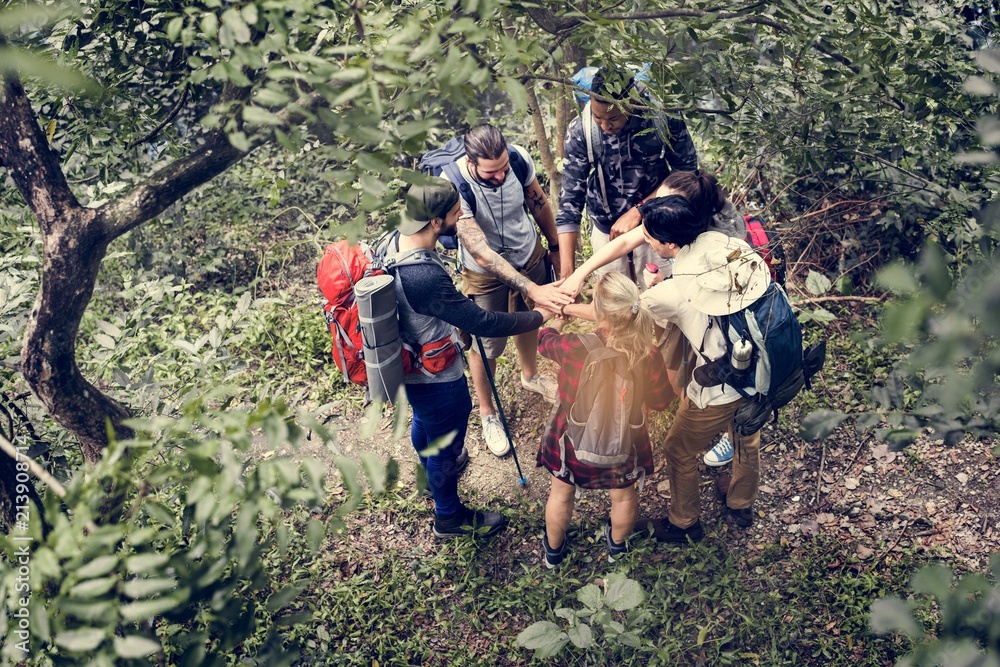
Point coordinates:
[[504, 263]]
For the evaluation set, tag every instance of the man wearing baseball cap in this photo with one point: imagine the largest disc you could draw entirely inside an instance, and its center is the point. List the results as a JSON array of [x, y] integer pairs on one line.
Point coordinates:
[[429, 309]]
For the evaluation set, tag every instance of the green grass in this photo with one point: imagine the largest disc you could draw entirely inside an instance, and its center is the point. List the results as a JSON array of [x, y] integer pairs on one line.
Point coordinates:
[[459, 603]]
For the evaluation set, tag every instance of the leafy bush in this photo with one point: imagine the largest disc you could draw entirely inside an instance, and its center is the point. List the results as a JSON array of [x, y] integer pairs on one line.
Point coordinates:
[[967, 632], [162, 552], [604, 610]]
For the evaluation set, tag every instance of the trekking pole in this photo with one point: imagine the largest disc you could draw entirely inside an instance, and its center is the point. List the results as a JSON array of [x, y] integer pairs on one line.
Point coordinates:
[[521, 480]]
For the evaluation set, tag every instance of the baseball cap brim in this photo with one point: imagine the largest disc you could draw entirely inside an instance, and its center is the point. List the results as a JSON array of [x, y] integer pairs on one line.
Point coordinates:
[[410, 225]]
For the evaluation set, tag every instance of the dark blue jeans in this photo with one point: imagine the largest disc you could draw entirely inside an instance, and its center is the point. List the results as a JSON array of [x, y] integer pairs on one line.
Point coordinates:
[[438, 409]]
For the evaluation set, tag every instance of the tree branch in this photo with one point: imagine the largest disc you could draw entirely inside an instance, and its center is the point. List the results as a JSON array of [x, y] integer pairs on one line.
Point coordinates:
[[38, 471], [551, 23], [163, 188], [162, 124]]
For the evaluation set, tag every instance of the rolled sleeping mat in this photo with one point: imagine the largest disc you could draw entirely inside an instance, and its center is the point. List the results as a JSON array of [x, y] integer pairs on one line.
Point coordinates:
[[382, 348]]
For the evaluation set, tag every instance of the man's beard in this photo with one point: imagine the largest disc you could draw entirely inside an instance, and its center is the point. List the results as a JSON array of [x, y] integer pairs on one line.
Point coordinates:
[[448, 230]]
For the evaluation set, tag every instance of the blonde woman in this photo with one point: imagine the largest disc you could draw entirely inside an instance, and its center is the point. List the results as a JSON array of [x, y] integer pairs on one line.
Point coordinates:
[[623, 324]]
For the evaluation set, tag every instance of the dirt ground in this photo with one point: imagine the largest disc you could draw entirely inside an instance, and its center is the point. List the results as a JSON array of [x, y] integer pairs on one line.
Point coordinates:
[[932, 499]]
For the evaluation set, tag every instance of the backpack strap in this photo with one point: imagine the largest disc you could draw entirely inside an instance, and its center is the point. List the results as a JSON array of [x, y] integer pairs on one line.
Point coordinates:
[[413, 257], [454, 174], [592, 133], [518, 165]]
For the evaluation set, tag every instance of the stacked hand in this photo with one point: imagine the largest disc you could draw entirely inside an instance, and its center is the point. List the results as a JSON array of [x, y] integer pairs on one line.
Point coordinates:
[[552, 296]]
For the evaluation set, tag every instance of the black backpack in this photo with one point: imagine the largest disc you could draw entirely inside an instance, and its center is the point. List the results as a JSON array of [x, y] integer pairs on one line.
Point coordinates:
[[778, 368], [442, 161]]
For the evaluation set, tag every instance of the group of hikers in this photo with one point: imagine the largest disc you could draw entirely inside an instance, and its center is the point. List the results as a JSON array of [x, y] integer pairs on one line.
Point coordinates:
[[669, 257]]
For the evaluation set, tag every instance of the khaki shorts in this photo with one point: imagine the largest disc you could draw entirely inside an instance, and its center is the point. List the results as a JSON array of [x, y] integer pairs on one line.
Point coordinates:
[[503, 299]]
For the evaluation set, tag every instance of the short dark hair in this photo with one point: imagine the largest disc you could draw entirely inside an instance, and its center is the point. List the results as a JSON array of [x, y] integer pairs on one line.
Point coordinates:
[[484, 143], [671, 220], [702, 191], [600, 83]]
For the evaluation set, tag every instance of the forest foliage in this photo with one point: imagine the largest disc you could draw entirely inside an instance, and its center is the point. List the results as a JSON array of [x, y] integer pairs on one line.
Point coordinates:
[[840, 123]]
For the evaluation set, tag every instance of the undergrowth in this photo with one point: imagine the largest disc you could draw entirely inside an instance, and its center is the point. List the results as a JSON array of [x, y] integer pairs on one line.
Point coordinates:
[[462, 603]]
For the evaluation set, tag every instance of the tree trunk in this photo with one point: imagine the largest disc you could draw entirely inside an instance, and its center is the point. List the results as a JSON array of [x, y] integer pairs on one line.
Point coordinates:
[[75, 240], [544, 147], [73, 254]]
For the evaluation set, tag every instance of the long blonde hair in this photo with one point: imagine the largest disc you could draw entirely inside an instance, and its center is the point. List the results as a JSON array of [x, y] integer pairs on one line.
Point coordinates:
[[628, 324]]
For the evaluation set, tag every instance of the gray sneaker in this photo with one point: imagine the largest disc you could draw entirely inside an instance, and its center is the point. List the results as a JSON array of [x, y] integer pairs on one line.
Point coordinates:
[[541, 385], [495, 436]]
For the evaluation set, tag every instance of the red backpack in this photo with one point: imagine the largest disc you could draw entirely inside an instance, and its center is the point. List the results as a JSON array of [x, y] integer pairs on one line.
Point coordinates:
[[342, 266], [767, 245]]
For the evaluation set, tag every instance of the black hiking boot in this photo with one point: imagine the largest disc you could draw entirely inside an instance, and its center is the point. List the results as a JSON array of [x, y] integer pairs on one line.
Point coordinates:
[[469, 522], [743, 517], [665, 531]]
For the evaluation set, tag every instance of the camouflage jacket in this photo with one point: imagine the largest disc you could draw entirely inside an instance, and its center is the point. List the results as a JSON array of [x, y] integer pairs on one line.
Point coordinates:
[[635, 161]]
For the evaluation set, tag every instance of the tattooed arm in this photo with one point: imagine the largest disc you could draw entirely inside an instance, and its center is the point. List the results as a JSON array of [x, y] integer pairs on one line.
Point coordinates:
[[538, 206], [475, 243]]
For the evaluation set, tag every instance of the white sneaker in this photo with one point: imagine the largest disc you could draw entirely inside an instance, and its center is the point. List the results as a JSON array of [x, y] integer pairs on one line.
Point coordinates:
[[541, 385], [721, 454], [494, 435]]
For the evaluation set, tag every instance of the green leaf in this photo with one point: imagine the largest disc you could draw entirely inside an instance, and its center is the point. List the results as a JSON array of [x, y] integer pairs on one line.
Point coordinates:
[[174, 28], [439, 444], [567, 613], [581, 635], [898, 278], [93, 588], [142, 563], [135, 646], [623, 593], [259, 116], [97, 567], [819, 424], [988, 59], [146, 609], [935, 579], [80, 641], [817, 283], [517, 93], [374, 471], [977, 85], [29, 65], [232, 19], [315, 534], [590, 596], [210, 24], [140, 588], [893, 615], [544, 637], [282, 598], [867, 420]]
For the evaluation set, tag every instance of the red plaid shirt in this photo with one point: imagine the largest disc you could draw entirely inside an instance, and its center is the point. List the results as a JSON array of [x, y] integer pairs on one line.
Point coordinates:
[[570, 353]]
